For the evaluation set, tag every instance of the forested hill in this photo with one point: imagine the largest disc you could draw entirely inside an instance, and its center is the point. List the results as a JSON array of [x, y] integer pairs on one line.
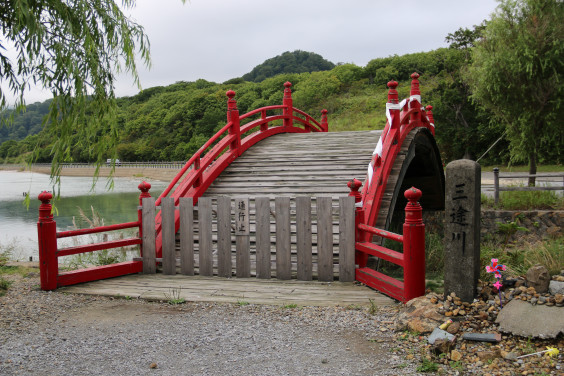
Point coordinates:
[[26, 123], [172, 122], [289, 62]]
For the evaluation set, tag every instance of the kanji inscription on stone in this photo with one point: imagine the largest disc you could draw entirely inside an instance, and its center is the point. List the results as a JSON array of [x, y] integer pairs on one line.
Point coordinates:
[[462, 228]]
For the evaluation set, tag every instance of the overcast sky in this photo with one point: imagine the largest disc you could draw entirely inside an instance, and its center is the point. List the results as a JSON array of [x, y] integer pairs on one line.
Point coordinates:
[[222, 39]]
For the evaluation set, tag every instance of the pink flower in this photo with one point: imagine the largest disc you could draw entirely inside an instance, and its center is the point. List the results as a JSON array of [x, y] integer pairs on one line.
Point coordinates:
[[498, 285]]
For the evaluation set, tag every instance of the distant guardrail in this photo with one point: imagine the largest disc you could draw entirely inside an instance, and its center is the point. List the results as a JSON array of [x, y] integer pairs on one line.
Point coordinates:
[[498, 188], [170, 165]]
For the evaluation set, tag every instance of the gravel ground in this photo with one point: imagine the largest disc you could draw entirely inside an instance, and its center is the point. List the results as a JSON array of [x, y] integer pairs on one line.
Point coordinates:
[[52, 333], [56, 333]]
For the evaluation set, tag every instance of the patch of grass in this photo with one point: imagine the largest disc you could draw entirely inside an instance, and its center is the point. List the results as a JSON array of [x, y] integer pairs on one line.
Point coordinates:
[[354, 307], [508, 230], [373, 309], [173, 297], [4, 257], [4, 286], [434, 253], [525, 168], [20, 270], [525, 200], [290, 306], [435, 283], [456, 365], [549, 253], [427, 366], [97, 258], [242, 303]]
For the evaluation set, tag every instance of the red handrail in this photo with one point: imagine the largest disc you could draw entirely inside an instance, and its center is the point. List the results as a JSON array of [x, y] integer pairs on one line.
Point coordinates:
[[86, 231], [205, 165]]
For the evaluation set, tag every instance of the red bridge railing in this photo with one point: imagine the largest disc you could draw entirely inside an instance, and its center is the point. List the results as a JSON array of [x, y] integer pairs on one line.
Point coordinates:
[[49, 251], [230, 142], [402, 119]]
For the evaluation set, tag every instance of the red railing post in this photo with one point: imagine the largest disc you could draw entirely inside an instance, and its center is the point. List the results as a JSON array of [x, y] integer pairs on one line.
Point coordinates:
[[413, 246], [144, 187], [429, 109], [233, 117], [361, 258], [324, 123], [47, 240], [288, 104], [415, 97], [196, 167], [263, 126]]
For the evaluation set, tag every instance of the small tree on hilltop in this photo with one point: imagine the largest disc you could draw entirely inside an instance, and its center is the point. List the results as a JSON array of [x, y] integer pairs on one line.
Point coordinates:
[[517, 71]]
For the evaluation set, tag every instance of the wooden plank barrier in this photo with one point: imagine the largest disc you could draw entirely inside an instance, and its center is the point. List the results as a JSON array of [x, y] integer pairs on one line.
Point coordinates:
[[245, 237]]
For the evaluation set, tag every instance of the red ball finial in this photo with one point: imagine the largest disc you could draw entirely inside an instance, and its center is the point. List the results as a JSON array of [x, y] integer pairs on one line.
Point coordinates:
[[324, 112], [230, 94], [45, 197], [287, 84], [354, 185], [392, 85], [413, 195], [429, 108], [415, 75], [144, 187]]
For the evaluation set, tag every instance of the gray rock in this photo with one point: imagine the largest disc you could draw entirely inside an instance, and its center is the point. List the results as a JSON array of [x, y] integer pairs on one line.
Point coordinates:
[[439, 334], [511, 356], [556, 287], [539, 278], [523, 319]]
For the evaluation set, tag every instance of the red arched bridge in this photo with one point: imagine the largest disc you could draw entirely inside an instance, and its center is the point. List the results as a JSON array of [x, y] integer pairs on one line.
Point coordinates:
[[273, 194]]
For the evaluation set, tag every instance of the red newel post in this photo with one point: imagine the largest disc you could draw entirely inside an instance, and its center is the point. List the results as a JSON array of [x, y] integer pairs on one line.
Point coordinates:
[[429, 109], [233, 117], [324, 123], [415, 97], [413, 246], [144, 187], [354, 185], [288, 104], [47, 239], [393, 99]]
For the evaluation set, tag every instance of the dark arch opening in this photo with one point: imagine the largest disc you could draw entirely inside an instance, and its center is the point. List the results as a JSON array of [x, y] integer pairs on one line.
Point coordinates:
[[422, 168], [418, 165]]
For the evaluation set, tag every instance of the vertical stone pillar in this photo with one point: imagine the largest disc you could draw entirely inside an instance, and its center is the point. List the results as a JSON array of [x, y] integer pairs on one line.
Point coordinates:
[[462, 229]]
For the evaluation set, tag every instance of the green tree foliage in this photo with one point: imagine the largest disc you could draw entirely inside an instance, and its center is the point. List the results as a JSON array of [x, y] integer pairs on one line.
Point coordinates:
[[517, 72], [73, 49], [465, 38], [289, 62], [25, 123]]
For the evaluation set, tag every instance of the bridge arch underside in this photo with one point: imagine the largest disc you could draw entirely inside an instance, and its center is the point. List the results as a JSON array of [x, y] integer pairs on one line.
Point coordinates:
[[418, 165]]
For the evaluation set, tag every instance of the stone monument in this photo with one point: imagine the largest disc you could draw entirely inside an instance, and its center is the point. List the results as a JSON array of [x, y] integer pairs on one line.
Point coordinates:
[[462, 229]]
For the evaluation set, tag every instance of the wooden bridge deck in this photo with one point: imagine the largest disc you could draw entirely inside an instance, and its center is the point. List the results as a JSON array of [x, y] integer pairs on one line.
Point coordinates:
[[298, 164], [233, 290]]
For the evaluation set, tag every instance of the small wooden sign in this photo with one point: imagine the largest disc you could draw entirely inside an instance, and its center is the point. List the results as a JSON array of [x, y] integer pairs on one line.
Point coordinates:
[[242, 216]]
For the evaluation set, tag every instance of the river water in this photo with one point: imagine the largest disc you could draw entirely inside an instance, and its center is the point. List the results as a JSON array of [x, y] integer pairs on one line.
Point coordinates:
[[18, 225]]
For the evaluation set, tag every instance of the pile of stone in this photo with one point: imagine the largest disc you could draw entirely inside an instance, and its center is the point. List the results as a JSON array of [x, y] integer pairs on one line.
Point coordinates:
[[486, 337]]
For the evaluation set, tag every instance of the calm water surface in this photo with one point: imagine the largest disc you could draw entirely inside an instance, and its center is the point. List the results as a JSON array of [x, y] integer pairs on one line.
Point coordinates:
[[18, 225]]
